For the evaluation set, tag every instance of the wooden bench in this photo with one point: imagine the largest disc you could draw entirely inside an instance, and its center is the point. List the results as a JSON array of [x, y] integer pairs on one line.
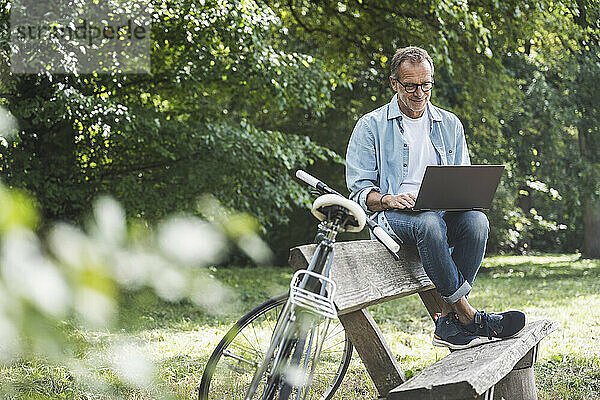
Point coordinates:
[[366, 274]]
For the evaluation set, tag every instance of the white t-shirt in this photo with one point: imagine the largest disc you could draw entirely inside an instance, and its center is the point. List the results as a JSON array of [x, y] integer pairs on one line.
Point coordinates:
[[421, 152]]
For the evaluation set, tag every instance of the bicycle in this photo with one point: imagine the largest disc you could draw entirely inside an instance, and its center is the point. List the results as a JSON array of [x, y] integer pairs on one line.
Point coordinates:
[[293, 345]]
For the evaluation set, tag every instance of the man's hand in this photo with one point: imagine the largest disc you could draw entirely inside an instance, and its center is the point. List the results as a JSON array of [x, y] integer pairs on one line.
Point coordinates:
[[400, 201], [378, 202]]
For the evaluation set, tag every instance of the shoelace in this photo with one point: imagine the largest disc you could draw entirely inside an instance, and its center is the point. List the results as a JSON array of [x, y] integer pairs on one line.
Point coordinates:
[[484, 321]]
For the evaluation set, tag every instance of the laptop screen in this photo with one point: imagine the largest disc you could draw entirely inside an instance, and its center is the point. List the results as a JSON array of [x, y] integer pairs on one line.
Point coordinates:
[[458, 187]]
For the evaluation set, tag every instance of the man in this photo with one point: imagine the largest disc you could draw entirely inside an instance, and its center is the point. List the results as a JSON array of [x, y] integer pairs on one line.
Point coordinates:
[[387, 155]]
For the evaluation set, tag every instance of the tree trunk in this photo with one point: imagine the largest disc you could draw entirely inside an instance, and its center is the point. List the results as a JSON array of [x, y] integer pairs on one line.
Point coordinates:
[[591, 234]]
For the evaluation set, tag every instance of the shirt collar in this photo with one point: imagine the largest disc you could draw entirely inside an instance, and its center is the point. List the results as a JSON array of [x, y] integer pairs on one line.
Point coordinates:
[[433, 112], [394, 110]]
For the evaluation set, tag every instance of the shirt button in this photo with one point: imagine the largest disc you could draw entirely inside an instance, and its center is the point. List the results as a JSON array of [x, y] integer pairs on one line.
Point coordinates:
[[405, 145], [405, 165], [449, 151]]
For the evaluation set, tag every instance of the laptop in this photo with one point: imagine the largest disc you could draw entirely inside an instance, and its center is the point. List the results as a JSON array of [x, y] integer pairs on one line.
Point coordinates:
[[458, 187]]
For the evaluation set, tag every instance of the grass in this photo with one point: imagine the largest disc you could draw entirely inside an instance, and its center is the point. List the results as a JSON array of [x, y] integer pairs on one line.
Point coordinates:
[[180, 338]]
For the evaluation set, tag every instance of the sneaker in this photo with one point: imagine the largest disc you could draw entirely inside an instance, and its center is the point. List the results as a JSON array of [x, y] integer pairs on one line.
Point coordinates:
[[451, 333], [501, 325]]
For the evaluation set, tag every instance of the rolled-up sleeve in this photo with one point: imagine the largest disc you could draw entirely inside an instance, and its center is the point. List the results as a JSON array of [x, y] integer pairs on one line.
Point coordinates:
[[362, 173]]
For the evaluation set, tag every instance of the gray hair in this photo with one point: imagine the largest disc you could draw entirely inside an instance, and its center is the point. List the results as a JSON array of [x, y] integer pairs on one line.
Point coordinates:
[[412, 54]]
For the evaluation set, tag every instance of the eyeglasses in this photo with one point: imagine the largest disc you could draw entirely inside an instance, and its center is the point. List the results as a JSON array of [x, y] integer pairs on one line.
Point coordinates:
[[412, 87]]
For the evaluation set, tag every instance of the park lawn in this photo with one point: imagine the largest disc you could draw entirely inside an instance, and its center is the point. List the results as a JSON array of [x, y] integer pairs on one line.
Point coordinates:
[[180, 337]]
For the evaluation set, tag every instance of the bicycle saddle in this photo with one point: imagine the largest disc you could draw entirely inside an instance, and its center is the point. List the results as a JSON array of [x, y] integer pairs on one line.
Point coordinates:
[[325, 204]]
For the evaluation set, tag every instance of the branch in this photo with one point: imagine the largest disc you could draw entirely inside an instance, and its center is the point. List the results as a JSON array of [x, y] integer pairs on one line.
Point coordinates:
[[157, 164], [299, 21], [374, 6]]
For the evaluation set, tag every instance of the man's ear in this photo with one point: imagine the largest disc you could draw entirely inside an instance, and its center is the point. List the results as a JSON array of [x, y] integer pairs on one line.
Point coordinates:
[[393, 83]]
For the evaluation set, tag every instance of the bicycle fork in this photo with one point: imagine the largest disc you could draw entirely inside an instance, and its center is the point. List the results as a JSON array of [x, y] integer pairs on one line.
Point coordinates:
[[281, 331], [318, 338], [291, 334], [298, 334], [306, 343]]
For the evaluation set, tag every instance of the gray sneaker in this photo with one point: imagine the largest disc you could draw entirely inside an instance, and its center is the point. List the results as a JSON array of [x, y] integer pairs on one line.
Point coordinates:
[[449, 332]]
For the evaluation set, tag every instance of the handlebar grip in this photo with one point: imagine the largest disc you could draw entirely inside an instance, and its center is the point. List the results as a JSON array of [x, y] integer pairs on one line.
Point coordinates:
[[386, 239], [314, 182], [306, 177]]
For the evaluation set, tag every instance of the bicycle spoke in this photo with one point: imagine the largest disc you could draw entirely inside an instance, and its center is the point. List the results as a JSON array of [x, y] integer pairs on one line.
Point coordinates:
[[251, 345], [339, 328], [254, 332], [331, 346]]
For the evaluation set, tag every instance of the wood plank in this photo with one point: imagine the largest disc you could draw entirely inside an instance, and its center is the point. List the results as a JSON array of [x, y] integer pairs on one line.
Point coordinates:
[[374, 352], [432, 301], [528, 359], [469, 373], [367, 274], [519, 384]]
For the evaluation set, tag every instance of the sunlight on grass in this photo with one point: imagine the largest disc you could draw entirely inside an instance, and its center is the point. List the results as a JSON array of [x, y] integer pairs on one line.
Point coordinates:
[[558, 287], [517, 260], [563, 288]]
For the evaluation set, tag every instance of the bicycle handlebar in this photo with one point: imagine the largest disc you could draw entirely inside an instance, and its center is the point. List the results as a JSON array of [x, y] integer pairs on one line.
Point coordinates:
[[380, 234], [314, 182]]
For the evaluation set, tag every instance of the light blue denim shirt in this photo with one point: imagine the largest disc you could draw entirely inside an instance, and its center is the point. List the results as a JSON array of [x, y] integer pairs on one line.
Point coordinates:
[[377, 156]]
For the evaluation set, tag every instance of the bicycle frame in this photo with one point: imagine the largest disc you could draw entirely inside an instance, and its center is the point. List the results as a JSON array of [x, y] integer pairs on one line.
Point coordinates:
[[310, 299], [303, 295]]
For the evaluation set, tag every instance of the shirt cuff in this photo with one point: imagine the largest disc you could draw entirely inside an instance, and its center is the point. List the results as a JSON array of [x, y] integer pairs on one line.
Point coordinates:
[[362, 197]]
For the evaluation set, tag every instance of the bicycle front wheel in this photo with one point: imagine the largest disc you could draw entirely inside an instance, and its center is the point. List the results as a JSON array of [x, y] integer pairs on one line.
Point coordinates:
[[234, 361]]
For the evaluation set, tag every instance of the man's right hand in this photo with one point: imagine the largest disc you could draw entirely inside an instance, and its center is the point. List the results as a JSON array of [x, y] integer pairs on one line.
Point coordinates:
[[400, 201]]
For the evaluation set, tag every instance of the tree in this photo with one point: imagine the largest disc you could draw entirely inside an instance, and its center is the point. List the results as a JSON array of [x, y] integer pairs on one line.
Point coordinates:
[[495, 68], [563, 58], [241, 93], [587, 58], [468, 42], [198, 123]]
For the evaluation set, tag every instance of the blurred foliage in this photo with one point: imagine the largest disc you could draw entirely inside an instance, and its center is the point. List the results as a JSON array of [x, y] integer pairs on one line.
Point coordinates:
[[244, 92], [61, 297]]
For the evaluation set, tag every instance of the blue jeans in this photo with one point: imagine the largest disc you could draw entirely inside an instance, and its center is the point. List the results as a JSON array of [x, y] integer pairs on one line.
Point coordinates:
[[433, 232]]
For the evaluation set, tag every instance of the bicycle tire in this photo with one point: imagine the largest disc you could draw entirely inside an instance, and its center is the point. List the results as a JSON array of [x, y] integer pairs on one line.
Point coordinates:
[[229, 376]]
